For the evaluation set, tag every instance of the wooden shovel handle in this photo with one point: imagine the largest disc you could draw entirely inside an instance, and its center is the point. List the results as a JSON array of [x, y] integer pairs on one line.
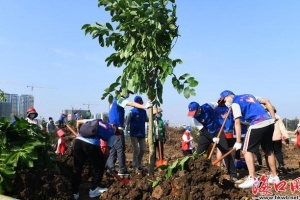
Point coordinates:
[[220, 131], [69, 127], [226, 154]]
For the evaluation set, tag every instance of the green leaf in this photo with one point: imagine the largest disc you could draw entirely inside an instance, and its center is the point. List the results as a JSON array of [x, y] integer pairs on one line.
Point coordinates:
[[183, 161], [182, 77], [187, 92], [109, 26]]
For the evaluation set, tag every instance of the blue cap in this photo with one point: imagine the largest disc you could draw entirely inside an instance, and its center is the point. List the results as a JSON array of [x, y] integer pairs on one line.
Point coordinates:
[[225, 93], [188, 128], [138, 99], [193, 107]]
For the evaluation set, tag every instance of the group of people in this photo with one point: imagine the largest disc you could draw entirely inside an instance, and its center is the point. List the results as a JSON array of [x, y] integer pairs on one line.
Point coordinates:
[[251, 123], [114, 149]]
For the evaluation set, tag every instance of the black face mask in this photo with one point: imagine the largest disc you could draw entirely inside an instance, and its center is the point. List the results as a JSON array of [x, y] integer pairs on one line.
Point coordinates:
[[197, 114]]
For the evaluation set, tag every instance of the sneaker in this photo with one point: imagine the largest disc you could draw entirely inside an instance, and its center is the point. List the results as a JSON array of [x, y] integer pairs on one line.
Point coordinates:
[[248, 182], [96, 192], [109, 173], [272, 180], [124, 173], [76, 196], [236, 180]]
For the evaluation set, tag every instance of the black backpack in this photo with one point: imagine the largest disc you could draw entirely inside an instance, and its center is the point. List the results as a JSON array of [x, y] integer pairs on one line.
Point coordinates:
[[89, 129]]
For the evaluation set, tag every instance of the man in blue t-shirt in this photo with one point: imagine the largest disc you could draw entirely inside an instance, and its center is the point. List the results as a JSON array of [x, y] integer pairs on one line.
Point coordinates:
[[206, 120], [117, 116], [135, 122], [260, 131]]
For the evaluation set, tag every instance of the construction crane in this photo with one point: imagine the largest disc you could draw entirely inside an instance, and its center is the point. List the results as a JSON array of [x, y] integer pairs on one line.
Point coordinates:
[[90, 104], [32, 86]]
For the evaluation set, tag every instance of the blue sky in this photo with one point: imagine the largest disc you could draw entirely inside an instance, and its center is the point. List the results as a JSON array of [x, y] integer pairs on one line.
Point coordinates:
[[244, 46]]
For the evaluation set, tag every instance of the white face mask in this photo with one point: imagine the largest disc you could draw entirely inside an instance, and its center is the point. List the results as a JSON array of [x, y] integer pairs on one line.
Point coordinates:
[[228, 104], [31, 116]]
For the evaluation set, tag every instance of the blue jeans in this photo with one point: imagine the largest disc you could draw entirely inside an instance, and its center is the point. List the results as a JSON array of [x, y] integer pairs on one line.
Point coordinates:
[[117, 151]]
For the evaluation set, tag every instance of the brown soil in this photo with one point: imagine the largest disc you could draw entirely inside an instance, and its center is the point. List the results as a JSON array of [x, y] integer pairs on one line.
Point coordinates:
[[199, 179]]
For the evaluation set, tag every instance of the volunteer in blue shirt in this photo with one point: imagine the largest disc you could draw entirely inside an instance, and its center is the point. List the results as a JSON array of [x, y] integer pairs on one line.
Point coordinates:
[[260, 131], [89, 148], [206, 121], [135, 122], [116, 116]]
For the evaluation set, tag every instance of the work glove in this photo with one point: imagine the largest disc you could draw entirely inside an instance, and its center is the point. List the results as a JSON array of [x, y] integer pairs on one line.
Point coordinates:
[[237, 146], [148, 105], [216, 140]]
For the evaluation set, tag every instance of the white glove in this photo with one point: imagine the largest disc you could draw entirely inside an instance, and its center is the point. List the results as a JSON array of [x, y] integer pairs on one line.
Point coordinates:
[[216, 140], [191, 138], [148, 105], [56, 152], [237, 146]]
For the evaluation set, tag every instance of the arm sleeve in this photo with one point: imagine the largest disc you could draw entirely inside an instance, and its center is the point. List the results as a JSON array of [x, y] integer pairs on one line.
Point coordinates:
[[213, 104], [236, 110], [184, 138], [197, 124], [122, 102]]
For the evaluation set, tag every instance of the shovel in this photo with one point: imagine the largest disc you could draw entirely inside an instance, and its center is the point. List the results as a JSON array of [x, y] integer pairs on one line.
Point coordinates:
[[222, 157], [125, 181], [160, 161], [220, 132], [70, 128]]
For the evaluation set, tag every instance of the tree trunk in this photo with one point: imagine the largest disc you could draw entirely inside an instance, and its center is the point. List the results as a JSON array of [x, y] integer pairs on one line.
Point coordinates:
[[151, 144]]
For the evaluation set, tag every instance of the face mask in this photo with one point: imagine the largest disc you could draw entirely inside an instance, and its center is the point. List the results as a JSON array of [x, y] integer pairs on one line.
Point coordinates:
[[158, 115], [31, 116], [197, 114], [228, 104]]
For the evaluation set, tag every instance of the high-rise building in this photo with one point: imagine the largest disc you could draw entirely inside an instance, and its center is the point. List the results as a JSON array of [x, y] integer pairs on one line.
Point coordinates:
[[26, 101], [15, 105]]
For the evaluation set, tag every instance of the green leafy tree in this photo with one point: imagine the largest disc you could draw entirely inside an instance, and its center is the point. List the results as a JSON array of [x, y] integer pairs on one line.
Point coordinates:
[[144, 35], [2, 97]]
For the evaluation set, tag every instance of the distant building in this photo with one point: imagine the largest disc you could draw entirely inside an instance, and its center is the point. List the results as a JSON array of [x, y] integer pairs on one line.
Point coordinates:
[[15, 105]]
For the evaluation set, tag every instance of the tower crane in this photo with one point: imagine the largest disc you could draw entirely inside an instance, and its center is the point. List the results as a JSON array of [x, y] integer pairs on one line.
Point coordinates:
[[32, 86], [91, 104]]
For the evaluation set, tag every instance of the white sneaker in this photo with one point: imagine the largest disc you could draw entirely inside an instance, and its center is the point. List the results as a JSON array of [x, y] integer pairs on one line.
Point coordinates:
[[272, 180], [248, 182], [96, 192], [76, 196]]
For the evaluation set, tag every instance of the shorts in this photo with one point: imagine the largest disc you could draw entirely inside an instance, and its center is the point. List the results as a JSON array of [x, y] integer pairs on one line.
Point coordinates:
[[260, 136]]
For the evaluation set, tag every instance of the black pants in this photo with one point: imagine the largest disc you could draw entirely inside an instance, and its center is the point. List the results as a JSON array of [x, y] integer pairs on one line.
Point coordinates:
[[187, 152], [205, 140], [83, 151], [277, 146]]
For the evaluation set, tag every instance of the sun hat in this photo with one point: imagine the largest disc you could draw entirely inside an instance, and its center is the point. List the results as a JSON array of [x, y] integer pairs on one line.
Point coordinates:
[[193, 107], [157, 110], [60, 132]]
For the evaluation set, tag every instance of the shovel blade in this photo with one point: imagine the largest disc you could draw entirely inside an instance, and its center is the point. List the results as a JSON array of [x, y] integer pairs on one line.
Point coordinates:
[[161, 162]]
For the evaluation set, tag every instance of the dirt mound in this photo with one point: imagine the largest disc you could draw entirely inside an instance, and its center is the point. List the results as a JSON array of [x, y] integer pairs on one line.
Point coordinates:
[[199, 179]]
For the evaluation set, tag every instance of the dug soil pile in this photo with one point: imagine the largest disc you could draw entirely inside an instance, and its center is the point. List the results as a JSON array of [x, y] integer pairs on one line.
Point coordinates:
[[199, 179]]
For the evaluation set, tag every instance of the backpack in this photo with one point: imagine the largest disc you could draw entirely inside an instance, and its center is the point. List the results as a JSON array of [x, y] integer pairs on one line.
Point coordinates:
[[89, 129]]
